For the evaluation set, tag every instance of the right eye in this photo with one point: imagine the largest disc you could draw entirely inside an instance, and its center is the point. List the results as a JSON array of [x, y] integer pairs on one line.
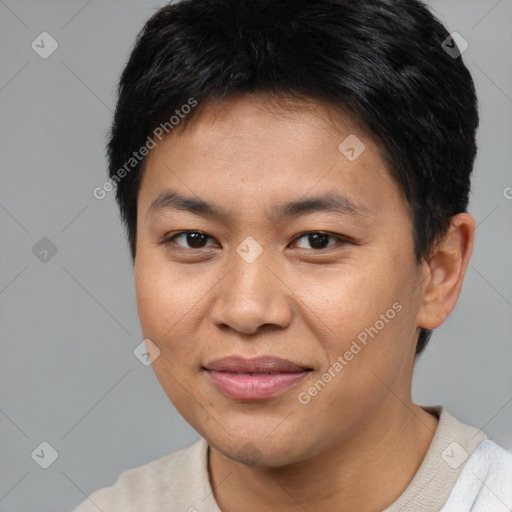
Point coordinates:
[[195, 239]]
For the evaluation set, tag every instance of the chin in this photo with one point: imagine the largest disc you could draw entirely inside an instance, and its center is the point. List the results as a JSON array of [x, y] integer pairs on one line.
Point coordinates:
[[257, 449]]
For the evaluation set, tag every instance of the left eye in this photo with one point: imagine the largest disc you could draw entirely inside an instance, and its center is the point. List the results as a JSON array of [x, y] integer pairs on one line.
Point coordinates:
[[318, 240]]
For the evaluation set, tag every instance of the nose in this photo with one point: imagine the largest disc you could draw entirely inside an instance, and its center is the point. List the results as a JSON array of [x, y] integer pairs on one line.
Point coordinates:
[[252, 297]]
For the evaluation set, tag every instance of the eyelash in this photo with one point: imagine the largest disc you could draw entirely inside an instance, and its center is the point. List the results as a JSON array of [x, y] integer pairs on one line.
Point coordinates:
[[168, 241]]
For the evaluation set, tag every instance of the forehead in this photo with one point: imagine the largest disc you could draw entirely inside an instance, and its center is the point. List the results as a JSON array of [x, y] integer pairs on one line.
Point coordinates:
[[247, 147], [261, 114]]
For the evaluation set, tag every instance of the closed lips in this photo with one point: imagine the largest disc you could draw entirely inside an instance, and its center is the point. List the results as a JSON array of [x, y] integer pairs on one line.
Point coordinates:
[[263, 365], [260, 378]]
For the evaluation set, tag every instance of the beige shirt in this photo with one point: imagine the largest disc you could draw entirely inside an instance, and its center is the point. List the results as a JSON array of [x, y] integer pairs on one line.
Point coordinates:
[[179, 481]]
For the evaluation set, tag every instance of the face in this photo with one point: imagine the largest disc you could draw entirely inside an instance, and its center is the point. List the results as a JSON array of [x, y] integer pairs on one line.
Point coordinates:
[[334, 290]]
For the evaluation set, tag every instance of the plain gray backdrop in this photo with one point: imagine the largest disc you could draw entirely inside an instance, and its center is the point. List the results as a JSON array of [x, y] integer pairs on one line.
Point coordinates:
[[68, 318]]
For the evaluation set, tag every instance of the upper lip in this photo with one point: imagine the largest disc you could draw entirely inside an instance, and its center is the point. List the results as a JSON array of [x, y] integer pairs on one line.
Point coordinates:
[[262, 364]]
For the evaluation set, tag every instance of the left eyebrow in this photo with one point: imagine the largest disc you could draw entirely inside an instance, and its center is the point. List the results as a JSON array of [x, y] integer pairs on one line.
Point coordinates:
[[331, 202]]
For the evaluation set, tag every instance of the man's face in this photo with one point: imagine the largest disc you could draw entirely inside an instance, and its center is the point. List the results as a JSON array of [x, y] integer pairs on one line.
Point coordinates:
[[305, 298]]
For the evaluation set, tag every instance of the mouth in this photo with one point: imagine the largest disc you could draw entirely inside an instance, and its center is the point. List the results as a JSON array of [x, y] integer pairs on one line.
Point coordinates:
[[259, 378]]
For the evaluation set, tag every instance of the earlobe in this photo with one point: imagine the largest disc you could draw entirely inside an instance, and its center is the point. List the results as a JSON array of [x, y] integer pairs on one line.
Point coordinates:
[[445, 271]]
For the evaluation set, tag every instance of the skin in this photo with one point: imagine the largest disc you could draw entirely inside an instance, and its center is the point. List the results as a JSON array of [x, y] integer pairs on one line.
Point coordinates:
[[197, 303]]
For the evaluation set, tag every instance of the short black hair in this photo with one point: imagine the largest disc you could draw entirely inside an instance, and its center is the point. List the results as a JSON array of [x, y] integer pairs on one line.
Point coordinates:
[[383, 61]]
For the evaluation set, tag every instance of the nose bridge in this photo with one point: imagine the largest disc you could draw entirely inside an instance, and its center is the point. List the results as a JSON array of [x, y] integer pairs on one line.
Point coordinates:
[[251, 271], [250, 296]]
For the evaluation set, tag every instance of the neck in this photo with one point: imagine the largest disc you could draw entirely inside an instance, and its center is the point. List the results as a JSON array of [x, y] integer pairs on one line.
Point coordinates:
[[383, 456]]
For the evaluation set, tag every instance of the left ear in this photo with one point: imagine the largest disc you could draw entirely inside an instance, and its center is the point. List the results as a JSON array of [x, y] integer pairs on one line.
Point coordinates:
[[445, 270]]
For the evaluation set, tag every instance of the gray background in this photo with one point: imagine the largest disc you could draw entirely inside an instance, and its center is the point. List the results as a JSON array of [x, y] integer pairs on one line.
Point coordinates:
[[69, 325]]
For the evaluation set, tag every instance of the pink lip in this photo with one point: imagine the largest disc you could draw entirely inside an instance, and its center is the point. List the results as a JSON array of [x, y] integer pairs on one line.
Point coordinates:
[[254, 379]]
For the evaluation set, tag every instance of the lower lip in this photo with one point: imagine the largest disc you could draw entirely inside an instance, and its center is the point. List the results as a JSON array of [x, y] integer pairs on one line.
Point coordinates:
[[254, 387]]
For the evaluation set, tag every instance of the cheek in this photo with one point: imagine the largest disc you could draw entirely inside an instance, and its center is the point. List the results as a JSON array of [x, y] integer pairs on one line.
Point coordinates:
[[172, 302], [165, 305], [349, 298], [373, 348], [155, 302], [364, 311], [161, 289], [161, 298]]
